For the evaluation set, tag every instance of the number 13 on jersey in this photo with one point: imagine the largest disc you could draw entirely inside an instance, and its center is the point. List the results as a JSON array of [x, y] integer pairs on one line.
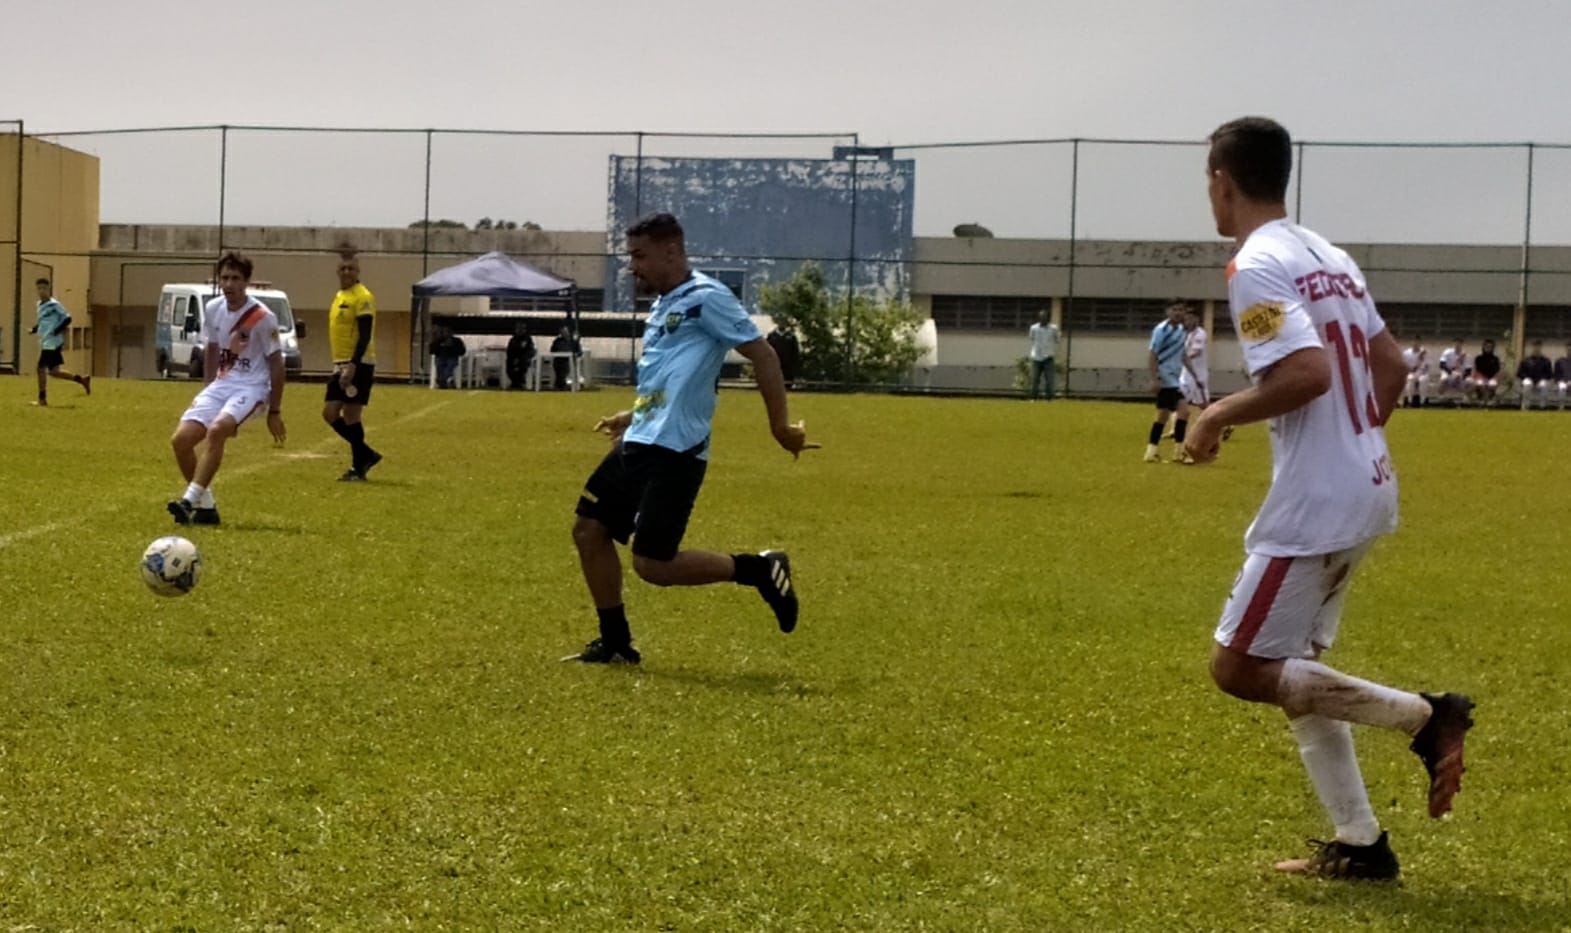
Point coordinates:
[[1352, 365]]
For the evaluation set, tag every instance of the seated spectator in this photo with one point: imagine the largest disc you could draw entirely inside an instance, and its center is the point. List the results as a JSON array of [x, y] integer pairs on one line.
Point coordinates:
[[1537, 376], [562, 366], [1454, 369], [1485, 378], [448, 350], [1563, 375], [520, 355], [1417, 360]]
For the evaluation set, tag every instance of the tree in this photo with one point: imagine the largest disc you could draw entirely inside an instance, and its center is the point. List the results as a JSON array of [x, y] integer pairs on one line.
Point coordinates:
[[443, 224], [883, 334]]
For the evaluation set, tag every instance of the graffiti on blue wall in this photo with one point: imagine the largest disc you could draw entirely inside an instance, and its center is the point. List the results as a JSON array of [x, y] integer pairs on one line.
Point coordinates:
[[754, 221]]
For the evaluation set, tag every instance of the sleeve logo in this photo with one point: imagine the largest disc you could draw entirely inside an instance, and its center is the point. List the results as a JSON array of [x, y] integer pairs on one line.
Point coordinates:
[[1261, 321]]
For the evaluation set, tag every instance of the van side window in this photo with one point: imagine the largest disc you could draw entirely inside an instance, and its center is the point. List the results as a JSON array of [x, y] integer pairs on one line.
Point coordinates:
[[166, 309]]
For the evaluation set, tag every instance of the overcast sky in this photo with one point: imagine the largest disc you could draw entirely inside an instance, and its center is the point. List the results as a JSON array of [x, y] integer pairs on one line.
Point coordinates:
[[912, 72]]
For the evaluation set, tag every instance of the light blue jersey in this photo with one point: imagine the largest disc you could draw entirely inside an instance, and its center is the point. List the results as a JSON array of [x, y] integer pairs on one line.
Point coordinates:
[[690, 330], [1167, 342], [51, 318]]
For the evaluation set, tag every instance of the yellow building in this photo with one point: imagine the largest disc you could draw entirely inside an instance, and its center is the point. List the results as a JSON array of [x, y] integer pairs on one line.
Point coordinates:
[[50, 234]]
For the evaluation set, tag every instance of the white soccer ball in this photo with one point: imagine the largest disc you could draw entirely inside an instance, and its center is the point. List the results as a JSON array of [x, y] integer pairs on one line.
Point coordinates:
[[171, 566]]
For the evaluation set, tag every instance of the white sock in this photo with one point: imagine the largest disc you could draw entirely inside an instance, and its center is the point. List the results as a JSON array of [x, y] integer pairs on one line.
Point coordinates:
[[207, 501], [1311, 687], [1326, 746], [194, 494]]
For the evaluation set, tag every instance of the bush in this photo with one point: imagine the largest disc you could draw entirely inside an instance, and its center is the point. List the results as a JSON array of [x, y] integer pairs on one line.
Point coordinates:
[[883, 334]]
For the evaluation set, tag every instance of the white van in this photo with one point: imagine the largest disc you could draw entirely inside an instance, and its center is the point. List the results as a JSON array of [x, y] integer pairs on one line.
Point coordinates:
[[180, 326]]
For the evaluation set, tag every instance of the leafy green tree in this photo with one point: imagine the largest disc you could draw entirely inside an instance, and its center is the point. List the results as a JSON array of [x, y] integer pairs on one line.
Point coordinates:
[[882, 347]]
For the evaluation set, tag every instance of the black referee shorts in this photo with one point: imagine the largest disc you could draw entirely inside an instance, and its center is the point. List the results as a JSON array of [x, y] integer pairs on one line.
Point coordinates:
[[365, 375], [645, 493]]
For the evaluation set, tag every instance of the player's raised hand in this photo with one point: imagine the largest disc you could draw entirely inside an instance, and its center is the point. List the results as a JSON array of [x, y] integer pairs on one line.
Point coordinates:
[[793, 437], [614, 426]]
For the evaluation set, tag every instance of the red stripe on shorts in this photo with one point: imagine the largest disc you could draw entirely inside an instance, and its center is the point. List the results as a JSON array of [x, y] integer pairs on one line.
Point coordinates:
[[1260, 604]]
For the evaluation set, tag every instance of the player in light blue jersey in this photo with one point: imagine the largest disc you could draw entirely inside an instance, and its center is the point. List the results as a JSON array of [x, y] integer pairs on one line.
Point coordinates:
[[645, 488], [53, 322], [1167, 365]]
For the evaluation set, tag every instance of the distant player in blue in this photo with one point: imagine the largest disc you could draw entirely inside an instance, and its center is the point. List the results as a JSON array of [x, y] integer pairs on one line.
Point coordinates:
[[645, 488], [1167, 366], [51, 329]]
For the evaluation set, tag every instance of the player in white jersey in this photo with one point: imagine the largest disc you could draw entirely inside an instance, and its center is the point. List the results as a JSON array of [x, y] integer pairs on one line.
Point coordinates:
[[1194, 383], [1416, 359], [245, 373], [1327, 374], [1454, 366]]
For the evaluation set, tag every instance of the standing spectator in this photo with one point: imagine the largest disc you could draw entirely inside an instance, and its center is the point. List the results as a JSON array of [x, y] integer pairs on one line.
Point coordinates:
[[788, 348], [520, 356], [1486, 373], [51, 329], [448, 350], [1536, 375], [1454, 369], [1416, 359], [1563, 375], [1166, 360], [562, 366], [1044, 347]]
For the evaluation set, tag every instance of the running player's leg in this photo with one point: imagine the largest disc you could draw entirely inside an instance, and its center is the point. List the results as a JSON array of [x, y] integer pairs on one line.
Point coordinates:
[[605, 515]]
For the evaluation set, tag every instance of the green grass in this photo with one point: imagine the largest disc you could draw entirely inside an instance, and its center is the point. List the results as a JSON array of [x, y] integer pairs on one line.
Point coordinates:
[[994, 716]]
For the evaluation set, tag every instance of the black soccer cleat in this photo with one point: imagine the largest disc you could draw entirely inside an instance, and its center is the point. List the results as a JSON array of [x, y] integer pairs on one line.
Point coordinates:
[[598, 652], [1341, 860], [352, 476], [1439, 746], [372, 458], [182, 510], [778, 591], [201, 516]]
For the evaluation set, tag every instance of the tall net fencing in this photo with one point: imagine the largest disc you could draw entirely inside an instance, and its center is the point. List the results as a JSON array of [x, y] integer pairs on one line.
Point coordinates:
[[979, 239]]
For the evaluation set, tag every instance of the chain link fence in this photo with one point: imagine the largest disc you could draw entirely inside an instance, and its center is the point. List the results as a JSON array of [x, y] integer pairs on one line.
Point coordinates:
[[1459, 240]]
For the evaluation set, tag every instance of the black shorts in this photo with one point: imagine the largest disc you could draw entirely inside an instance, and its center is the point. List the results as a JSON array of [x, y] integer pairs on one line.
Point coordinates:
[[365, 373], [648, 490], [1167, 398], [49, 359]]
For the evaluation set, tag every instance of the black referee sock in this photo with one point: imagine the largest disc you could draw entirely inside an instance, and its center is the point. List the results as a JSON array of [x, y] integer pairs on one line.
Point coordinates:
[[751, 570], [613, 627], [355, 435], [1179, 428], [1156, 433], [341, 429]]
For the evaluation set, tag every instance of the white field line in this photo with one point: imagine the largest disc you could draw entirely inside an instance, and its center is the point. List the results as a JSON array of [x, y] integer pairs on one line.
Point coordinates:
[[16, 537]]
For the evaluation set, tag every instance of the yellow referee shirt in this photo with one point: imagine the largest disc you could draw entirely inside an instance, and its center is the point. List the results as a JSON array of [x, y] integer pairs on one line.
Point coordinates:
[[343, 329]]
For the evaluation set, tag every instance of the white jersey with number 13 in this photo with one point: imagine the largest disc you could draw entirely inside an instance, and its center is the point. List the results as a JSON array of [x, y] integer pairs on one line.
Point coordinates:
[[1332, 485]]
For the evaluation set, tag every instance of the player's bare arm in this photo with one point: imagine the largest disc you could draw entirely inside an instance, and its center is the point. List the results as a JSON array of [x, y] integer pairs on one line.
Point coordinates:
[[275, 396], [1293, 382], [771, 385], [1389, 371], [615, 425], [210, 364]]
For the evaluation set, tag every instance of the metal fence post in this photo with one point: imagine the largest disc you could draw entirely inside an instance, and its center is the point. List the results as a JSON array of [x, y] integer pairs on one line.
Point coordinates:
[[223, 181], [16, 325], [856, 161], [1069, 299]]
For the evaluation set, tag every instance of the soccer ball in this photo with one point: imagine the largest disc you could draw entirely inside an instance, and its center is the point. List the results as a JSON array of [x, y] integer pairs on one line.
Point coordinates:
[[171, 566]]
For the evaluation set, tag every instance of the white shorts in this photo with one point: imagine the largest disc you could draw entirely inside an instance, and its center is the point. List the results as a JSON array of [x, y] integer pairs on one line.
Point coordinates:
[[235, 399], [1288, 607], [1194, 393]]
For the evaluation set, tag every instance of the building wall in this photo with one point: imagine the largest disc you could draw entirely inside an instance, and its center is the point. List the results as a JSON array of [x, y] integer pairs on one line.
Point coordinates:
[[59, 228]]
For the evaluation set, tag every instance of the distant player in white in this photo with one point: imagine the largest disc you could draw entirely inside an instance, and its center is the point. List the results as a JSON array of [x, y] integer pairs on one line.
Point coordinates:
[[1454, 365], [1195, 381], [1327, 374], [1416, 359], [244, 369]]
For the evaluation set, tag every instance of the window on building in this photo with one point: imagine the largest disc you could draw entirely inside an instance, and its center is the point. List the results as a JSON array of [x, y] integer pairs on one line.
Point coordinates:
[[1114, 315], [1442, 323], [1549, 323], [987, 312]]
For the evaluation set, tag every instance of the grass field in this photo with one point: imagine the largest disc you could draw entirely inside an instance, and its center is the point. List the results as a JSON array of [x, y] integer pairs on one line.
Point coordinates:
[[995, 714]]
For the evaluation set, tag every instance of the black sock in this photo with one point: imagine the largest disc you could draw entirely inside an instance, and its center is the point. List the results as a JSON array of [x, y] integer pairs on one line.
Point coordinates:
[[339, 428], [1156, 433], [613, 627], [751, 569], [355, 435], [1179, 427]]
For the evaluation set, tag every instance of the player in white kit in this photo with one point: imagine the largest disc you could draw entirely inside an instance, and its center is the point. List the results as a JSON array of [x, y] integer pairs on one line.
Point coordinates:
[[1416, 359], [245, 373], [1327, 374]]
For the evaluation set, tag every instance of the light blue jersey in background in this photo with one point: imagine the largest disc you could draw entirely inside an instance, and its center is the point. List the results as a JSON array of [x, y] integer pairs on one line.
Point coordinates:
[[51, 318], [1167, 342]]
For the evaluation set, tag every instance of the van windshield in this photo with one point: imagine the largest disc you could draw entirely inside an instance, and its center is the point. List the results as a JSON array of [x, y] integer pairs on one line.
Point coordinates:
[[280, 308]]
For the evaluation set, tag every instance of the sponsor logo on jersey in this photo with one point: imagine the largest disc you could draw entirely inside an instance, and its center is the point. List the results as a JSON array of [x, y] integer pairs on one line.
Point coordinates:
[[1261, 321]]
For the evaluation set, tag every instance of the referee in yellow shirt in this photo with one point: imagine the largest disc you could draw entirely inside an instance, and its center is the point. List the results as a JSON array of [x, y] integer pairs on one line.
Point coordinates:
[[351, 332]]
